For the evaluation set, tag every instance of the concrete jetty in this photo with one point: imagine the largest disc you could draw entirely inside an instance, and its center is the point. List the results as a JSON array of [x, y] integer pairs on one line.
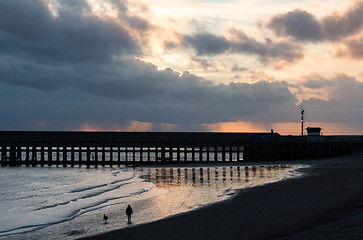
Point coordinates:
[[115, 148]]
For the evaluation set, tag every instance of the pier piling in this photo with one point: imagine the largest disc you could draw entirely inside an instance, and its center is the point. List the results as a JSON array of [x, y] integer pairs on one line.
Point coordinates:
[[110, 148]]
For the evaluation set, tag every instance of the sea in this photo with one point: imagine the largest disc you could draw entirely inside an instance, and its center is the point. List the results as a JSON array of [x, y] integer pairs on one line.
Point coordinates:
[[69, 202]]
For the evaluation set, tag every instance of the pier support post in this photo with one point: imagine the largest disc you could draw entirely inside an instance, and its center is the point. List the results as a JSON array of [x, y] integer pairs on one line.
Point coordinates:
[[193, 153], [178, 153], [34, 154], [88, 153], [103, 155], [141, 152], [64, 159], [57, 154], [19, 155], [119, 154], [2, 155], [170, 153], [238, 152], [50, 160], [148, 153], [80, 152], [200, 153], [185, 152], [216, 153], [73, 162], [230, 152], [42, 154], [126, 154], [12, 155], [162, 156], [111, 155], [223, 153], [95, 156], [27, 160]]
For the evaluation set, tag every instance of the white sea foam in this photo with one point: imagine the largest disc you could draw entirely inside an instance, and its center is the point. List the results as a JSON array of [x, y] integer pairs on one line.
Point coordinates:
[[33, 198]]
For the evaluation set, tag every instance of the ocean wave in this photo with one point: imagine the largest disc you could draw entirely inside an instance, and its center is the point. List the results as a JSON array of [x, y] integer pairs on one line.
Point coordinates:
[[95, 195], [87, 188], [19, 230], [71, 194], [82, 189]]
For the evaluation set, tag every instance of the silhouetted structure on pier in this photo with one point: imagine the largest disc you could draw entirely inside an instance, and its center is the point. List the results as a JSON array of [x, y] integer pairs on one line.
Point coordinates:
[[111, 148]]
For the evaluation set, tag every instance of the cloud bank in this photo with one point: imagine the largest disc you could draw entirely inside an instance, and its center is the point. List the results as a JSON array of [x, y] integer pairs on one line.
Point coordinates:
[[277, 53], [303, 26], [69, 65], [343, 100], [62, 65]]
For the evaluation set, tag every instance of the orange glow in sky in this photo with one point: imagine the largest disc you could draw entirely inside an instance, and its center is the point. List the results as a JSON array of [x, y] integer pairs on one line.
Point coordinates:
[[183, 65]]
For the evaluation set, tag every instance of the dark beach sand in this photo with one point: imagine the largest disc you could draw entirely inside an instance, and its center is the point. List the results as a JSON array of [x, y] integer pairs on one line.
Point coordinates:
[[326, 204]]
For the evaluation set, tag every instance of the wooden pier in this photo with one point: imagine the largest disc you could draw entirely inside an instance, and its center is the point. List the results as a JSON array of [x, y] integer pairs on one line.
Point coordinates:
[[33, 148]]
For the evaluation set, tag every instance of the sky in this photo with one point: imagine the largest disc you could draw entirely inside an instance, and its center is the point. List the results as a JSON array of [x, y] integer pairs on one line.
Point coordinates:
[[181, 65]]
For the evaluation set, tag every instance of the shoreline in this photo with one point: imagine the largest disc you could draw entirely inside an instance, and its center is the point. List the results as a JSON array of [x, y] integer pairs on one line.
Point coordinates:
[[187, 187], [317, 203]]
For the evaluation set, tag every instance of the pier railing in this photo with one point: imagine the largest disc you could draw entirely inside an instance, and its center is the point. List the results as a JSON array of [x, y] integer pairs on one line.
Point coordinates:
[[115, 148]]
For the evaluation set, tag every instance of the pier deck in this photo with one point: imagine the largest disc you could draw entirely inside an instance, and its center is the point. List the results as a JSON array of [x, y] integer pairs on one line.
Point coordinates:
[[115, 148]]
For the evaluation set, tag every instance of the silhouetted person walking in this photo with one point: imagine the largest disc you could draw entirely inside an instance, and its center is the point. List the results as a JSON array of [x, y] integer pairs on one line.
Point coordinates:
[[128, 213], [105, 218]]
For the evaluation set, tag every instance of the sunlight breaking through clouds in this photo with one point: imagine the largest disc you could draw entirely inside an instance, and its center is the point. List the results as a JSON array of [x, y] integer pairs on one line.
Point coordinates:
[[181, 65]]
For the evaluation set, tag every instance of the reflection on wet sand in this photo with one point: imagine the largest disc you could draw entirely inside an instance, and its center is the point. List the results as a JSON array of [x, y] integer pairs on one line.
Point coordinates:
[[190, 187], [198, 177]]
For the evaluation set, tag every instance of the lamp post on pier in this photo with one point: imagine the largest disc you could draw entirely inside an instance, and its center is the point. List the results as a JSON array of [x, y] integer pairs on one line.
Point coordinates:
[[302, 120]]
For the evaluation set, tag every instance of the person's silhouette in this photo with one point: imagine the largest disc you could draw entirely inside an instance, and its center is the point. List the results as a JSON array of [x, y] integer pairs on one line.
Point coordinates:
[[105, 218], [128, 213]]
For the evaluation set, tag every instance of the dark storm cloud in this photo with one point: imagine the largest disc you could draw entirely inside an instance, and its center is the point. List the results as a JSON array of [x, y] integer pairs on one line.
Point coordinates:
[[345, 98], [139, 92], [280, 52], [299, 24], [138, 23], [334, 111], [29, 30], [304, 26], [342, 87], [207, 43], [134, 21], [60, 68], [337, 26], [30, 74], [316, 81], [313, 84]]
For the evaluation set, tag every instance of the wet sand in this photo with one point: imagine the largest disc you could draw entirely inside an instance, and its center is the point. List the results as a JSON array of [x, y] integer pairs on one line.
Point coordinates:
[[326, 204]]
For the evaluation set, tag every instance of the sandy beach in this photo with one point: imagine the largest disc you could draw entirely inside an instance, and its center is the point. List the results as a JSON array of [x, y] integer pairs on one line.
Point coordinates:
[[326, 204]]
